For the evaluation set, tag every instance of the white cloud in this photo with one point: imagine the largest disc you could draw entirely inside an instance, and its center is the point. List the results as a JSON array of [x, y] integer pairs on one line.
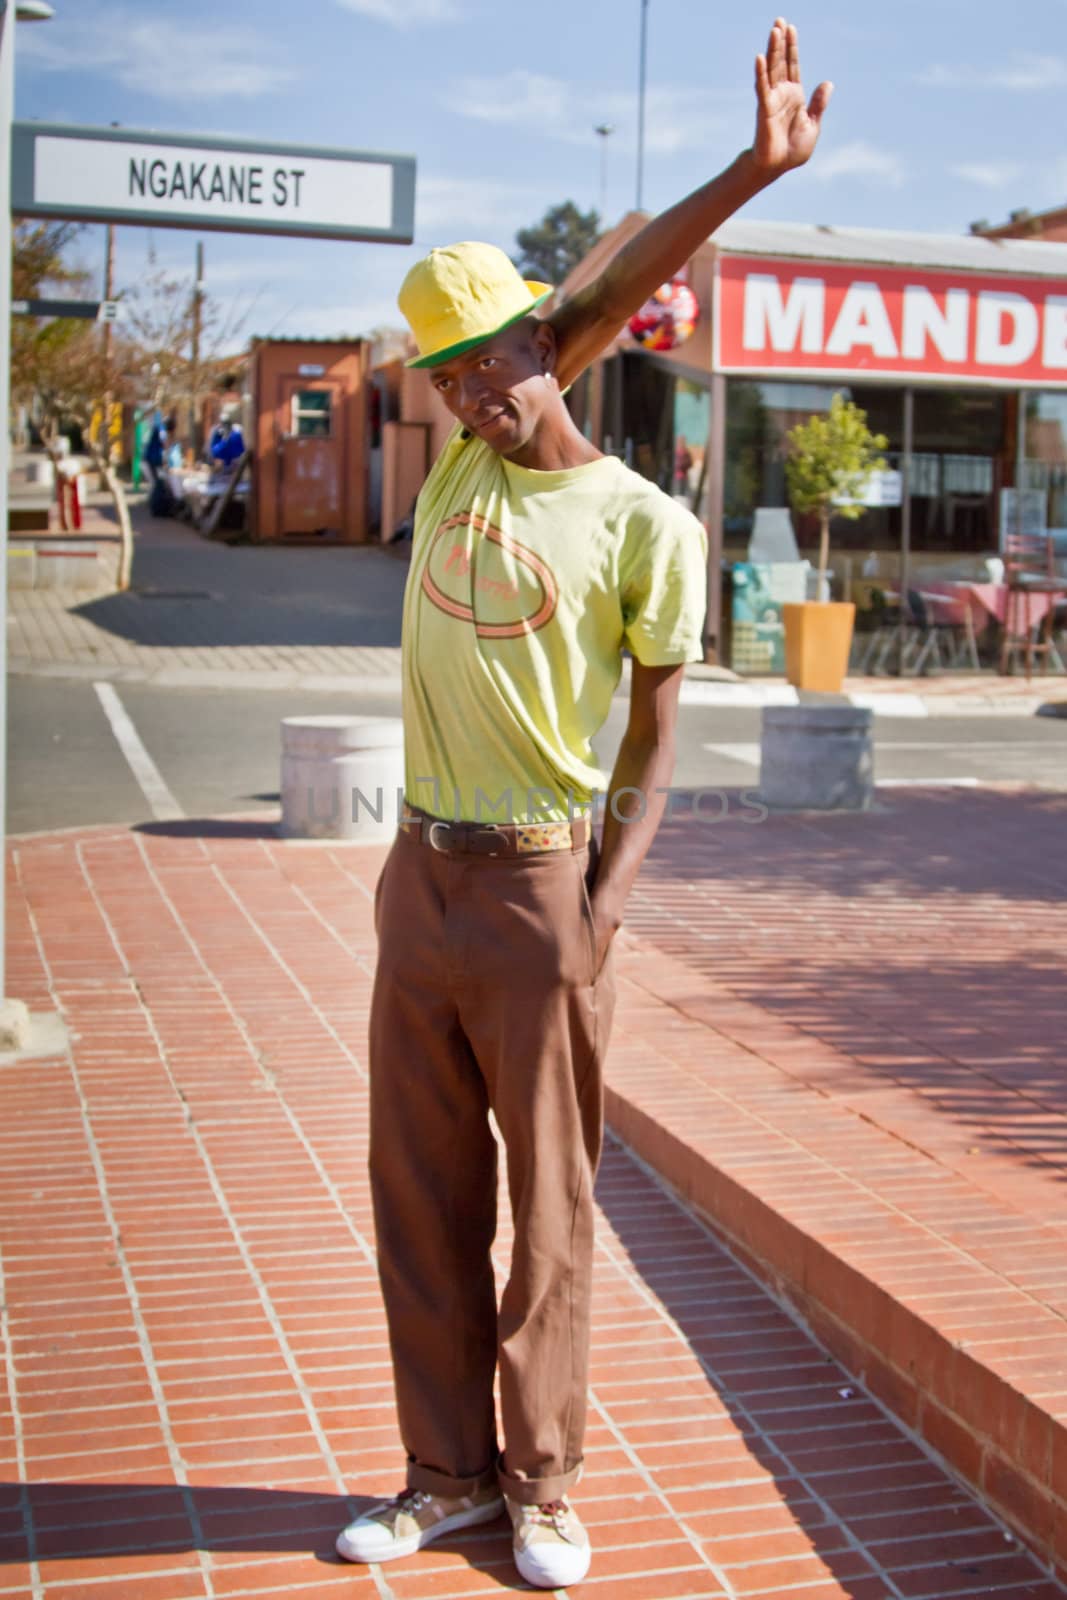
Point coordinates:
[[858, 160], [677, 117], [1024, 73], [403, 13], [128, 46], [989, 174]]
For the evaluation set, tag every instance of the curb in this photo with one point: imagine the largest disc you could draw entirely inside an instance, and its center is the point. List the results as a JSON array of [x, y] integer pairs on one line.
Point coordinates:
[[696, 690], [1004, 1444]]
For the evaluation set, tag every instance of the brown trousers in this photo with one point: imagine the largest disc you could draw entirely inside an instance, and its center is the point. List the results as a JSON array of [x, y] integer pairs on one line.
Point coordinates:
[[486, 996]]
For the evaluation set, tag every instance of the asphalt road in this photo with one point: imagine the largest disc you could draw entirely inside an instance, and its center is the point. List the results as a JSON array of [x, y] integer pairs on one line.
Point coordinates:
[[74, 752]]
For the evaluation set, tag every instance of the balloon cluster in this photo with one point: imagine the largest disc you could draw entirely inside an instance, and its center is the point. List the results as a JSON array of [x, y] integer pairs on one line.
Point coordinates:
[[667, 320]]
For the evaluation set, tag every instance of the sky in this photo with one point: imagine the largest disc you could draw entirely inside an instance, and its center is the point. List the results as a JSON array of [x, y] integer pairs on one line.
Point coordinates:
[[944, 112]]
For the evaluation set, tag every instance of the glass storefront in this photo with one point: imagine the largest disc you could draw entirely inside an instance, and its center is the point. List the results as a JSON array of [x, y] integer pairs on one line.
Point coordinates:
[[963, 454], [1046, 457], [965, 446]]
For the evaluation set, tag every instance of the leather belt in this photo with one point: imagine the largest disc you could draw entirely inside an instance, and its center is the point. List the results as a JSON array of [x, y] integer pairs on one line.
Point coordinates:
[[494, 838]]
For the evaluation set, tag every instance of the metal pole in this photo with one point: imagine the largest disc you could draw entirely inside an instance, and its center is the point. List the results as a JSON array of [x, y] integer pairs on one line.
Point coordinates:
[[715, 490], [641, 106], [194, 420], [109, 294], [905, 521], [8, 29], [1020, 459]]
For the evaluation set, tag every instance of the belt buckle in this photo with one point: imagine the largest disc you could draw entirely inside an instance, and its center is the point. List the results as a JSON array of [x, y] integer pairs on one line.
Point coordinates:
[[437, 823]]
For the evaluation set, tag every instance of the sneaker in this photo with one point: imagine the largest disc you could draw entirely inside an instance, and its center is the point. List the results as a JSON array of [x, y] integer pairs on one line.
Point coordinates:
[[551, 1547], [402, 1525]]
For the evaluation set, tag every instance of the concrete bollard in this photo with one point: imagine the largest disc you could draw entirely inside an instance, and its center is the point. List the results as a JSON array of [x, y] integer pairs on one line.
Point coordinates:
[[816, 758], [342, 777]]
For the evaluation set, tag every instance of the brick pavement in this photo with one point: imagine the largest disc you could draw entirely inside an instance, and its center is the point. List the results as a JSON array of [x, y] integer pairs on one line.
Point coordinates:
[[880, 1123], [198, 610], [196, 1355]]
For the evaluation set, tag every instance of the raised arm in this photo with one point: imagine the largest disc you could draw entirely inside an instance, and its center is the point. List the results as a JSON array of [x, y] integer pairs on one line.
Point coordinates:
[[787, 128]]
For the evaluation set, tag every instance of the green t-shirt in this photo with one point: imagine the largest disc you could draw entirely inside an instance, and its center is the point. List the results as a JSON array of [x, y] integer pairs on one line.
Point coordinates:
[[525, 587]]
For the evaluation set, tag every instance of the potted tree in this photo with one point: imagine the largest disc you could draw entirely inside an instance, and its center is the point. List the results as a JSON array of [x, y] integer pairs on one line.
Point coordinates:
[[831, 458]]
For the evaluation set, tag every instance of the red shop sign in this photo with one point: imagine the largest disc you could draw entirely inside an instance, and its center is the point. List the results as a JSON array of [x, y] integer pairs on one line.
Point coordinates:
[[904, 322]]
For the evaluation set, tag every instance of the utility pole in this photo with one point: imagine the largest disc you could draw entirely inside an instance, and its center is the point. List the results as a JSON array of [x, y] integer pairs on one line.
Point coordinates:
[[198, 291], [641, 106]]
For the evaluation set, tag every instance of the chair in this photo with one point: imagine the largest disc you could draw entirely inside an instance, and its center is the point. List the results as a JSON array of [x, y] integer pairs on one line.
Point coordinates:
[[1029, 569]]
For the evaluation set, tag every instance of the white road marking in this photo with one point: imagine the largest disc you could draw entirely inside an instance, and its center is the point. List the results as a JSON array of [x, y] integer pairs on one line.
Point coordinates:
[[748, 753], [928, 783], [701, 692], [163, 805], [891, 705]]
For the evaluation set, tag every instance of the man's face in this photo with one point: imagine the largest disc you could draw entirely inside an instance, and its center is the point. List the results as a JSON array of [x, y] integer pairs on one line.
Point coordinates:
[[498, 389]]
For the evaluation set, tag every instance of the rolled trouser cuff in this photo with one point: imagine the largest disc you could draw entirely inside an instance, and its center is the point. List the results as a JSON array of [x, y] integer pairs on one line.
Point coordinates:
[[440, 1483], [537, 1491]]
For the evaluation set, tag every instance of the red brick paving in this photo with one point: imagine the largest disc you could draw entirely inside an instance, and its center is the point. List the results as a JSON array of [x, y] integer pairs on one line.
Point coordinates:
[[198, 1373], [884, 1077]]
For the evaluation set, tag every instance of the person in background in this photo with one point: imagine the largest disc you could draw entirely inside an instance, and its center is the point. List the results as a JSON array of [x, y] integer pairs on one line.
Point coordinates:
[[175, 454], [683, 461], [155, 450], [227, 443]]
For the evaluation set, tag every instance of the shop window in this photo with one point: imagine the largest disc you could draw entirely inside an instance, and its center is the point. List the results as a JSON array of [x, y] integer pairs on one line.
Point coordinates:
[[962, 440], [311, 414], [1045, 467]]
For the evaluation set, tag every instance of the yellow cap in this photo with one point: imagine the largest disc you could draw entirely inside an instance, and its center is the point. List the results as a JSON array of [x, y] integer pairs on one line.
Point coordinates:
[[461, 295]]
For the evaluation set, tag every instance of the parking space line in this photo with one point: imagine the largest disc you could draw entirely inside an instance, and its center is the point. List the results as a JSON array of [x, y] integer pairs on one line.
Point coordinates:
[[163, 804]]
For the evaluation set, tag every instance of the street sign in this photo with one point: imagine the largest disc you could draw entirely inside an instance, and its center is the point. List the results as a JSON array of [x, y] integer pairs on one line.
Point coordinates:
[[174, 181], [88, 309], [92, 310]]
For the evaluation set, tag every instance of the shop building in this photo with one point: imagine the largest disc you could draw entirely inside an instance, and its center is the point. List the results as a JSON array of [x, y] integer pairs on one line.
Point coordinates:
[[956, 347], [310, 440]]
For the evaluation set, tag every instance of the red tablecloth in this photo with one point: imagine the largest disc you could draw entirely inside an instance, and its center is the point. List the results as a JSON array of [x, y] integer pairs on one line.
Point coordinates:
[[985, 600]]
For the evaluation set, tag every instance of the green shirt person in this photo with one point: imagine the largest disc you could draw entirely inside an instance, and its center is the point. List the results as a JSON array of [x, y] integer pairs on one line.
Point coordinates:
[[536, 562]]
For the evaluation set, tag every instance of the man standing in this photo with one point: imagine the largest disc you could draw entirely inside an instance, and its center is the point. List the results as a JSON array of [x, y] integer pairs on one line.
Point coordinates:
[[537, 560]]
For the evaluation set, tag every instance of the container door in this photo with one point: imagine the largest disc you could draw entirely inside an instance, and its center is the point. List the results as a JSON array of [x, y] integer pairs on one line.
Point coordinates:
[[310, 463]]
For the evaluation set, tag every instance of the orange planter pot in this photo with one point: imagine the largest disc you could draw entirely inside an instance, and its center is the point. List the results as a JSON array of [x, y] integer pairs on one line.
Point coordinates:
[[818, 638]]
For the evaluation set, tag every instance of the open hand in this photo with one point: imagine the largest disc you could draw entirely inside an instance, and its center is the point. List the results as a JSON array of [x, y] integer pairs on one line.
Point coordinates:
[[787, 127]]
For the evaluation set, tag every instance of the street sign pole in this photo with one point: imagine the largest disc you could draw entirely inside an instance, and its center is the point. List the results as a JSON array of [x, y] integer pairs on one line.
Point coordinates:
[[14, 1021]]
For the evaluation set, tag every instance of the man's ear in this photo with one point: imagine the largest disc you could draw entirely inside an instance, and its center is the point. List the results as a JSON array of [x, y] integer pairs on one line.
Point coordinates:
[[544, 343]]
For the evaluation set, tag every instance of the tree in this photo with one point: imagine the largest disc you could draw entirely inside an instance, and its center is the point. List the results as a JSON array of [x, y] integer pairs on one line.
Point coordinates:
[[556, 244], [178, 341], [37, 264], [831, 457]]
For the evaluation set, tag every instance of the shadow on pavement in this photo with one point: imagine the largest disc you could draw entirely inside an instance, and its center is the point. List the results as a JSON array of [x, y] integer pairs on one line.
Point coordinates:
[[188, 592], [117, 1521], [849, 1483], [211, 828], [922, 941]]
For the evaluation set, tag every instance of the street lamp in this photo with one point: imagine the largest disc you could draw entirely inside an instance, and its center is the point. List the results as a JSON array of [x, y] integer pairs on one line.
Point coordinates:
[[605, 130], [14, 1018], [641, 105]]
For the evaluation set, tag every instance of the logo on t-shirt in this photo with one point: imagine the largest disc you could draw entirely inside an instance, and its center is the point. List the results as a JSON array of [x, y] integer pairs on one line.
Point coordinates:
[[481, 575]]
